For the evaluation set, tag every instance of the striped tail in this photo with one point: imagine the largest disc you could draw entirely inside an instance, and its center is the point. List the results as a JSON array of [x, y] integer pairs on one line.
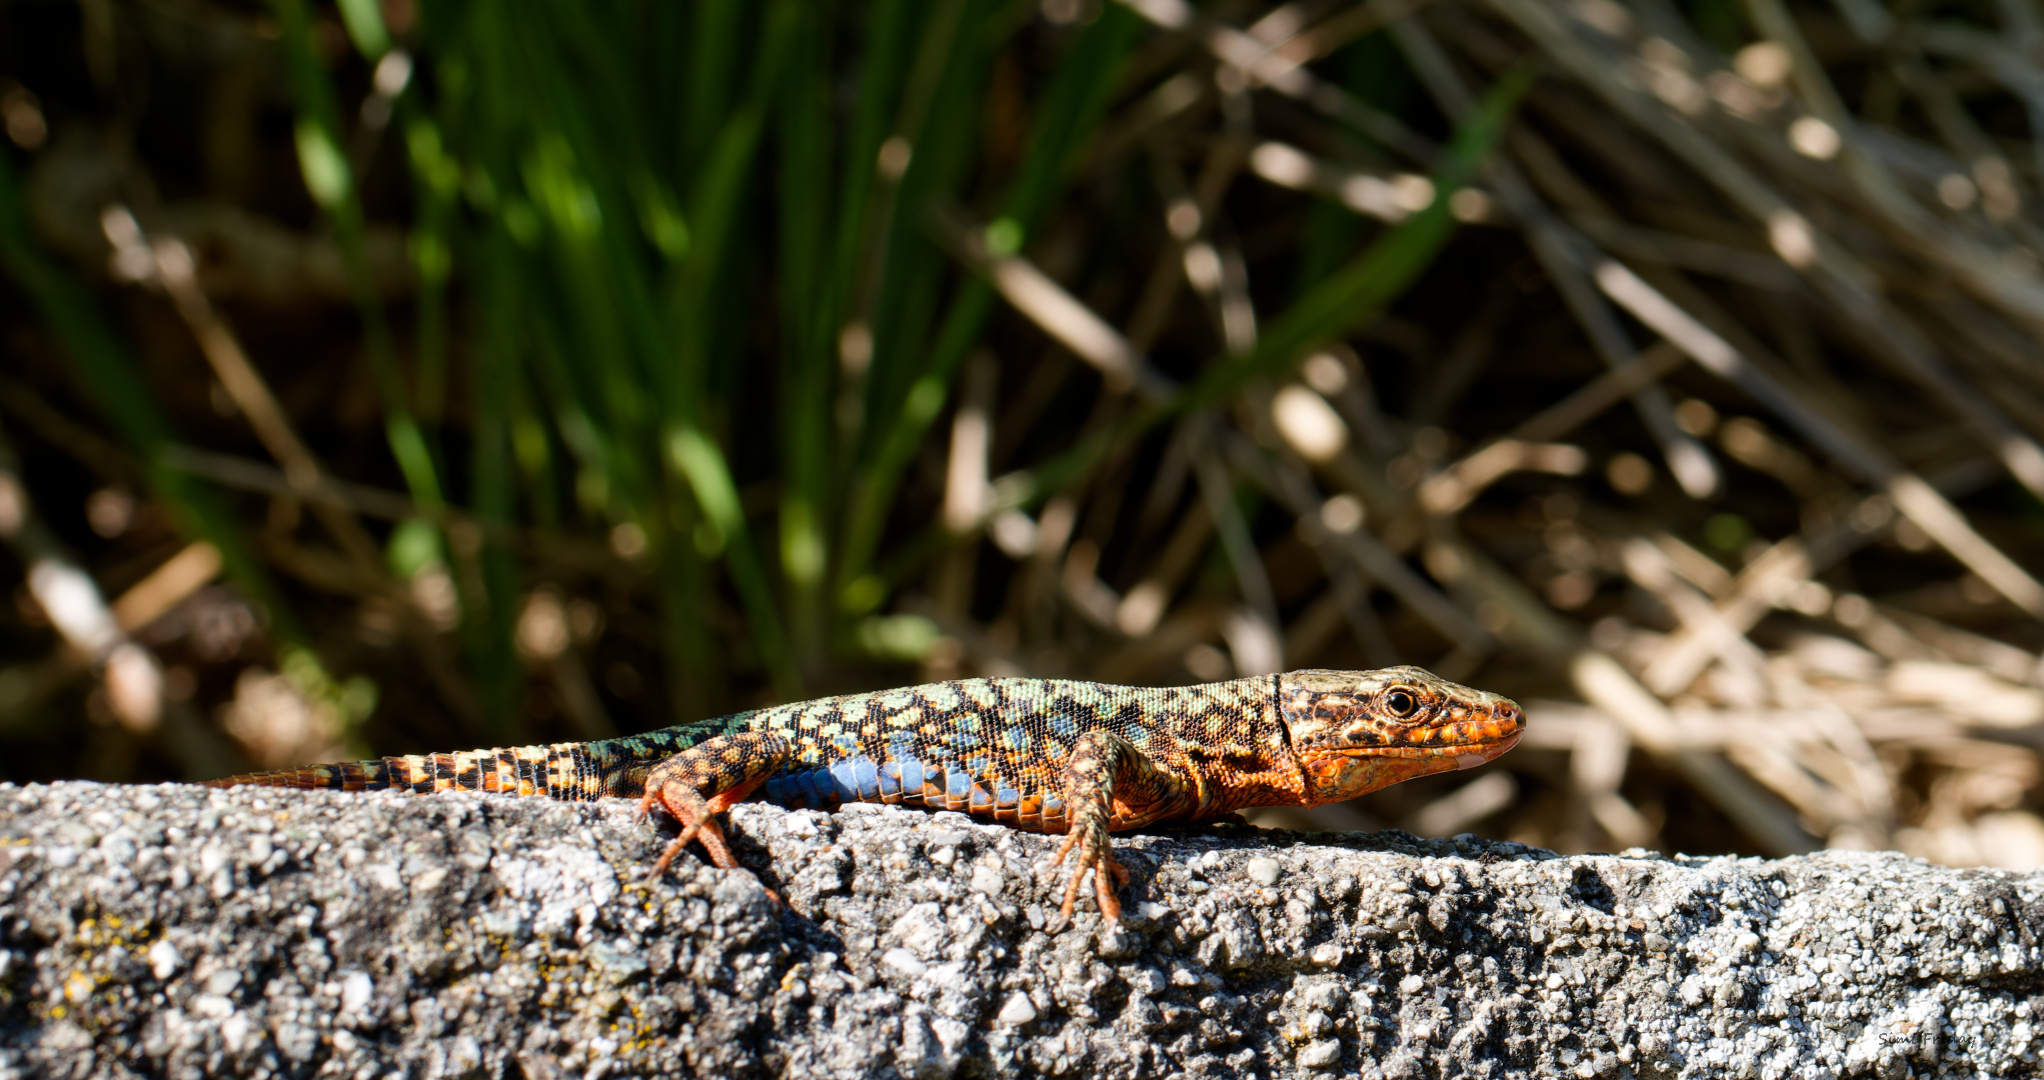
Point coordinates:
[[571, 771]]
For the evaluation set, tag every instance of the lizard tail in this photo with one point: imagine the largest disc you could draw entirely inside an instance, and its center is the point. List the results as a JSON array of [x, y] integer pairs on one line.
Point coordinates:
[[523, 770], [576, 771]]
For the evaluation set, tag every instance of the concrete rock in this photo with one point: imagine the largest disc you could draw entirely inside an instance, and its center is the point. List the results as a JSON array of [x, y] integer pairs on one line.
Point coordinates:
[[186, 932]]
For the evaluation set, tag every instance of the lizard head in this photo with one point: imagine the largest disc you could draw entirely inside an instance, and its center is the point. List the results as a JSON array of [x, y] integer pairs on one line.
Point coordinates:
[[1357, 731]]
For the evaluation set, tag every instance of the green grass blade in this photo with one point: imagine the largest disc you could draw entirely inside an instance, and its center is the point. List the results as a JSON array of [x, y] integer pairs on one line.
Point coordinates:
[[805, 180], [494, 594], [887, 281], [327, 176], [689, 449], [1073, 105]]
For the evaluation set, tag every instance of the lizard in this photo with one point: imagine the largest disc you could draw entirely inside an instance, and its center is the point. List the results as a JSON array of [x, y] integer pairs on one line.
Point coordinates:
[[1083, 759]]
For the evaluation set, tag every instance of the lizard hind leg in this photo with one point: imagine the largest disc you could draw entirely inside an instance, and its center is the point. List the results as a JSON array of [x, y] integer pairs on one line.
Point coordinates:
[[705, 780], [1105, 769]]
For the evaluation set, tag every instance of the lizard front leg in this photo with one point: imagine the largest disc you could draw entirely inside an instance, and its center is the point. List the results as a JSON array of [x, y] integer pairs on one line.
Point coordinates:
[[707, 779], [1104, 770]]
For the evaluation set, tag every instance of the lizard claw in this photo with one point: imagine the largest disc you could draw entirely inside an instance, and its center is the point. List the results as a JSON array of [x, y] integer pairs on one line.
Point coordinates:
[[1095, 855]]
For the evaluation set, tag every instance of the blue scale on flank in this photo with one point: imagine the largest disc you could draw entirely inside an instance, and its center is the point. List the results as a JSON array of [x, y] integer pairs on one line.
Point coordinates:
[[861, 779], [957, 782], [857, 779], [798, 790]]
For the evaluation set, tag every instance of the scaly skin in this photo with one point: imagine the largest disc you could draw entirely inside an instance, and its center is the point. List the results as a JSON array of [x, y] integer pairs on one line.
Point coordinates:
[[1044, 755]]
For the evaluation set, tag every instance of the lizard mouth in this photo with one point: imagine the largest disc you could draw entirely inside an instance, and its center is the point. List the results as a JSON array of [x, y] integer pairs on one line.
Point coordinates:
[[1472, 756], [1337, 773], [1465, 755]]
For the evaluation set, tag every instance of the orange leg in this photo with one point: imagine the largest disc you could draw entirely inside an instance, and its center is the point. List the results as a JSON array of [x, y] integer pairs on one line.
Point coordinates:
[[708, 779], [1105, 769]]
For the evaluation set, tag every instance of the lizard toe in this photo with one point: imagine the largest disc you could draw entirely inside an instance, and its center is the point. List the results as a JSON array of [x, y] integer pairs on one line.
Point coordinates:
[[1109, 876], [1093, 856], [692, 828], [1064, 849], [1071, 894]]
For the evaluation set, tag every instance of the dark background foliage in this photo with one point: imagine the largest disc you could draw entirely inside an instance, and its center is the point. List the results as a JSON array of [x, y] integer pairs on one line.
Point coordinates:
[[393, 377]]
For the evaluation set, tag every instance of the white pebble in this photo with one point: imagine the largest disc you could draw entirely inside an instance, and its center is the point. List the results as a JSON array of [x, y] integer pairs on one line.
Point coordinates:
[[986, 879], [164, 960], [905, 962], [356, 990], [1017, 1011]]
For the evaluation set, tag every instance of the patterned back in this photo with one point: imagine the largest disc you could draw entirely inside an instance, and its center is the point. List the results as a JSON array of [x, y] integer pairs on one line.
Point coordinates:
[[997, 747]]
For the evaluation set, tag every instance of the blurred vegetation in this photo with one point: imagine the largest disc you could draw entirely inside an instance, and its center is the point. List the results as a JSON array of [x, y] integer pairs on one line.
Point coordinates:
[[405, 375]]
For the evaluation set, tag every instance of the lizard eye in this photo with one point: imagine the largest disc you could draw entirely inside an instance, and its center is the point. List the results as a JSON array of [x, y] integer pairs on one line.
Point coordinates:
[[1402, 703]]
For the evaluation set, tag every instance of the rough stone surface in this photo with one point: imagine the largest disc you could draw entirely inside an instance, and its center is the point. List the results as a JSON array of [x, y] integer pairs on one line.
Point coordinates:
[[186, 932]]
